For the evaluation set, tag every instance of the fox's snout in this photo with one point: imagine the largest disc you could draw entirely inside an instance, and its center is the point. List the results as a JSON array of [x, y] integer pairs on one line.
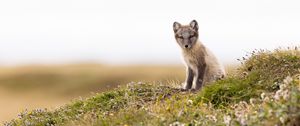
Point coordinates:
[[187, 46]]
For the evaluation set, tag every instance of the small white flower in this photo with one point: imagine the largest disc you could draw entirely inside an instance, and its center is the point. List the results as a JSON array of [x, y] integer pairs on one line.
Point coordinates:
[[288, 80], [252, 101], [282, 86], [227, 120], [243, 121], [189, 102], [214, 118], [282, 120], [211, 117], [263, 95], [176, 124], [277, 95]]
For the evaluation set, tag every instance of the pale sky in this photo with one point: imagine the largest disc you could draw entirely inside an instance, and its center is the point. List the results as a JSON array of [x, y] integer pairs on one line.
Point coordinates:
[[137, 31]]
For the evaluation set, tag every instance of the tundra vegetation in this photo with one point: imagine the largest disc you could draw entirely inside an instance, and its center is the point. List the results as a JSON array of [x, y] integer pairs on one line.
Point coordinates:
[[264, 90]]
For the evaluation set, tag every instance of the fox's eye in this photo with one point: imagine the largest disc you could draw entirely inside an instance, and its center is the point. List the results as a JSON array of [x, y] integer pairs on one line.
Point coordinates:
[[179, 36], [193, 38]]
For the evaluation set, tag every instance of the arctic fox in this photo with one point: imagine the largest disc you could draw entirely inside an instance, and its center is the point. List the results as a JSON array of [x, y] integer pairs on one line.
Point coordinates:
[[202, 66]]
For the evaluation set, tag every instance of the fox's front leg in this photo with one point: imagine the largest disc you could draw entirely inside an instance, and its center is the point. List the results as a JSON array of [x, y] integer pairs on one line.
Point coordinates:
[[189, 78], [199, 76]]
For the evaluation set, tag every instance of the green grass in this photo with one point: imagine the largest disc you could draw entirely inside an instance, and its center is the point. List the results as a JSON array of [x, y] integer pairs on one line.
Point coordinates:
[[264, 91]]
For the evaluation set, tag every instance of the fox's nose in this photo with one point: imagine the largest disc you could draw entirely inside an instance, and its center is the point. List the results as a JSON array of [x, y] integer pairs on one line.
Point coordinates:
[[186, 46]]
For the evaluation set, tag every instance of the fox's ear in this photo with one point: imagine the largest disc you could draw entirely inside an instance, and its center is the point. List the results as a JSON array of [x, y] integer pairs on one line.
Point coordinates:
[[176, 26], [194, 25]]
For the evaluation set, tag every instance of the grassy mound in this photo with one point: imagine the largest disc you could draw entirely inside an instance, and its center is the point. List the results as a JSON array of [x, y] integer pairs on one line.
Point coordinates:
[[261, 71], [264, 91]]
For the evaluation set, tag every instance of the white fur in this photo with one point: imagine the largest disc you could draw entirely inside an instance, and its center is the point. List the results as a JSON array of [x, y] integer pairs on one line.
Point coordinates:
[[214, 69]]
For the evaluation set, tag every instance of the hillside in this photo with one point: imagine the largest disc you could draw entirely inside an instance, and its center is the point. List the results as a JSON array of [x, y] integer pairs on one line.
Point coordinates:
[[265, 90], [50, 85]]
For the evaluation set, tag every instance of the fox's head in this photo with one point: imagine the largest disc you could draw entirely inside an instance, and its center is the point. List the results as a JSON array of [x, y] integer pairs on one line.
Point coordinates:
[[186, 35]]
